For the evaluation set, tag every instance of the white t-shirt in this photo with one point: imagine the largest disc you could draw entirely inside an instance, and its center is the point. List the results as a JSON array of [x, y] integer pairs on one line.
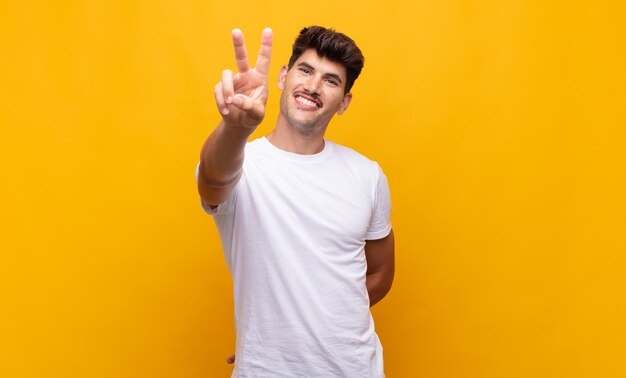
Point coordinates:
[[293, 233]]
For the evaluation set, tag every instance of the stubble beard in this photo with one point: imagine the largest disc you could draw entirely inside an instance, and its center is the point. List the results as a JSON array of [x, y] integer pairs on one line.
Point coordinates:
[[306, 127]]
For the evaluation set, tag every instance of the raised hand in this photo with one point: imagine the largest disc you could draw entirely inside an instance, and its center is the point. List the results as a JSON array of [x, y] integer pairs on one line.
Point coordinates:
[[241, 97]]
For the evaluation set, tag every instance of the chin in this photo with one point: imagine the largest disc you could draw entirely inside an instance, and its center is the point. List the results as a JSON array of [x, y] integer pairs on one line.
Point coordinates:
[[304, 127]]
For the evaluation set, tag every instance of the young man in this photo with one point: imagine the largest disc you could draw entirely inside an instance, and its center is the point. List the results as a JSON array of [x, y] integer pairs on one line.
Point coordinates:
[[304, 222]]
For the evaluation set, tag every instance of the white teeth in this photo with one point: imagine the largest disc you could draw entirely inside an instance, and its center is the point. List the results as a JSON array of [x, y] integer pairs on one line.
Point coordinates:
[[305, 101]]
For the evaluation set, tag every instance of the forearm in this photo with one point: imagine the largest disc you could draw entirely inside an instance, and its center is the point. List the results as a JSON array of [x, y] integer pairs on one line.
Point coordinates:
[[240, 99], [378, 285], [221, 162]]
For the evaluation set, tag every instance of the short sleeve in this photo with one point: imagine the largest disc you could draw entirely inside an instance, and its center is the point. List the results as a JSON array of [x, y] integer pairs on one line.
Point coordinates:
[[380, 223]]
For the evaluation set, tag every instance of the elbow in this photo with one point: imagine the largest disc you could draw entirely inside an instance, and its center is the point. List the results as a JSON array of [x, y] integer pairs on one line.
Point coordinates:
[[378, 286], [215, 191]]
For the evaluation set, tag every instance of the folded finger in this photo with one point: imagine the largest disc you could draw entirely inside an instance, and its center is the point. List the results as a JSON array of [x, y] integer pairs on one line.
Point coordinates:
[[228, 86], [219, 99], [241, 55], [236, 77]]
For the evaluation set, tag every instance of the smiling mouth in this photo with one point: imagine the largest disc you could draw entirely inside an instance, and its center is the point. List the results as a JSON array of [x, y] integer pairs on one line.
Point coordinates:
[[307, 103]]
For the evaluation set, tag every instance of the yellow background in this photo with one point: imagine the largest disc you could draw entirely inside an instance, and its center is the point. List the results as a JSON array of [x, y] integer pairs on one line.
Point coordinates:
[[500, 125]]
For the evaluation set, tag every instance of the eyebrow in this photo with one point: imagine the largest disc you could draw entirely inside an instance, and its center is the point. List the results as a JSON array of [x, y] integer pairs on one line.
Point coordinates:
[[330, 74]]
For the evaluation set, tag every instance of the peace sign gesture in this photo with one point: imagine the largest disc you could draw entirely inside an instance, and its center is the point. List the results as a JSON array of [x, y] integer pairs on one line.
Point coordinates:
[[241, 97]]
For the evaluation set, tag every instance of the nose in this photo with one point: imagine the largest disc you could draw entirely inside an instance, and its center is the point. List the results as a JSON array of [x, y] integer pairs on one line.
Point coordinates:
[[312, 84]]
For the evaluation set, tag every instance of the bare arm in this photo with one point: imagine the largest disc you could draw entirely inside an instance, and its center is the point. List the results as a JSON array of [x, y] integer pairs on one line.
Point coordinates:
[[380, 267], [240, 99]]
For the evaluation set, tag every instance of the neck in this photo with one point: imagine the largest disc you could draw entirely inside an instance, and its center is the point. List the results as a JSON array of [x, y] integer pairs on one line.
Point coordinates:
[[291, 139]]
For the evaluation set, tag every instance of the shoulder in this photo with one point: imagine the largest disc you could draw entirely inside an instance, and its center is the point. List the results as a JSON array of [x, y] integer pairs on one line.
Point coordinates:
[[256, 151], [254, 145], [355, 159]]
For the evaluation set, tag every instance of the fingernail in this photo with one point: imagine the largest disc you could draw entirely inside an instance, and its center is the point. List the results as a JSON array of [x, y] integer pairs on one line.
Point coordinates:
[[238, 101], [225, 111], [229, 99]]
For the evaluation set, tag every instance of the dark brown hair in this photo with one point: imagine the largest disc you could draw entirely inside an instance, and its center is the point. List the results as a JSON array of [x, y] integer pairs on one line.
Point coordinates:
[[332, 45]]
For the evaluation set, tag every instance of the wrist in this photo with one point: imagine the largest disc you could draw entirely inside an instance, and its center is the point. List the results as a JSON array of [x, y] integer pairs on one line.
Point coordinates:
[[237, 128]]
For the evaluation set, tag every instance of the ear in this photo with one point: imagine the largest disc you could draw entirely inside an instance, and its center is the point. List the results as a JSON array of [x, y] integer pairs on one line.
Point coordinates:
[[344, 103], [282, 76]]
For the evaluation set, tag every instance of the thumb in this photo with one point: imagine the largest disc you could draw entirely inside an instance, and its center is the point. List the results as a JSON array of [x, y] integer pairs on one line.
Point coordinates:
[[255, 109]]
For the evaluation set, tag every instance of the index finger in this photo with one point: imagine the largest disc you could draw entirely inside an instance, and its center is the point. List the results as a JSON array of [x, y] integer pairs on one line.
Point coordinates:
[[265, 53], [241, 55]]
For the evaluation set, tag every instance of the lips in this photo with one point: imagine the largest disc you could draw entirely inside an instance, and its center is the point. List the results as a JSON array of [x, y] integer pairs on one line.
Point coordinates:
[[307, 102]]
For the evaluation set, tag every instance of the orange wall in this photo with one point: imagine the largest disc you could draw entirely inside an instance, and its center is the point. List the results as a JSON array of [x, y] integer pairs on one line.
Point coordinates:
[[501, 126]]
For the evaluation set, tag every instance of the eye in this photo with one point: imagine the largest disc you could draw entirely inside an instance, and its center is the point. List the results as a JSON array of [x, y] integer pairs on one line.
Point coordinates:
[[332, 82], [305, 70]]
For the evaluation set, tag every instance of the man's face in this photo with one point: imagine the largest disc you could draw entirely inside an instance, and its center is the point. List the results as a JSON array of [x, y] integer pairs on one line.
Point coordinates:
[[313, 91]]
